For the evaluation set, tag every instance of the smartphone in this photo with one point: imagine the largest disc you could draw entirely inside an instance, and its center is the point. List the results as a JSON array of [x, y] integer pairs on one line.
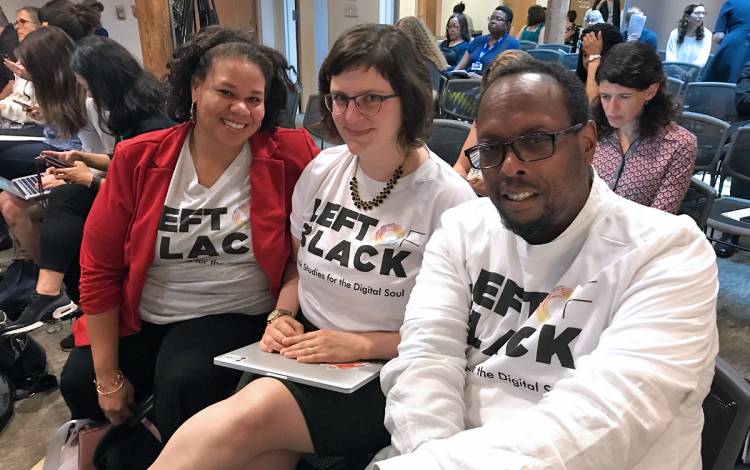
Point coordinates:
[[54, 161], [25, 106]]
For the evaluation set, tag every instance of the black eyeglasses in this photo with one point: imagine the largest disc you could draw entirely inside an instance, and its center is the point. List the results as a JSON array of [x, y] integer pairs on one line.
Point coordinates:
[[368, 103], [497, 19], [527, 148]]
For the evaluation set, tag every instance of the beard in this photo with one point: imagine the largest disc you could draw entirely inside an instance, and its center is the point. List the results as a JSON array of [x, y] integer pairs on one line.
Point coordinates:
[[536, 232]]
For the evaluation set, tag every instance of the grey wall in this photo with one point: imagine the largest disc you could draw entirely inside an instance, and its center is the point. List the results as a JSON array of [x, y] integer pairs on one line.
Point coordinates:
[[664, 14]]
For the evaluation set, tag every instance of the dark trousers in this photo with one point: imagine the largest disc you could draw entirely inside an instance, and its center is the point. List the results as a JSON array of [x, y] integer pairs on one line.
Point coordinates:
[[174, 362], [62, 231], [17, 158]]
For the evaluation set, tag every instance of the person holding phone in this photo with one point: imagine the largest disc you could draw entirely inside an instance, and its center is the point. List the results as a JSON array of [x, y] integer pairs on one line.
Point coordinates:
[[16, 109]]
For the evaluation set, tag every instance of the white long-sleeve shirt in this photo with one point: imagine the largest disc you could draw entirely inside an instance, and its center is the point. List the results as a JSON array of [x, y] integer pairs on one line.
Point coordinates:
[[22, 91], [592, 351], [691, 51]]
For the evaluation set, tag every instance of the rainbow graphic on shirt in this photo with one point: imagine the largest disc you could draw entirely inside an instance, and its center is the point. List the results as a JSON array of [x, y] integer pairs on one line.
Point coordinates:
[[241, 216], [559, 292], [389, 235]]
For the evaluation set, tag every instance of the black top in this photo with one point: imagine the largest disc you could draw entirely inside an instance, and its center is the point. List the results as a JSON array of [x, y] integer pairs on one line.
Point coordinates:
[[8, 43]]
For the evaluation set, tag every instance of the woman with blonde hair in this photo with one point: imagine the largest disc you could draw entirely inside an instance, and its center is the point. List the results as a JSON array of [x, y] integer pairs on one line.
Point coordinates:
[[426, 46]]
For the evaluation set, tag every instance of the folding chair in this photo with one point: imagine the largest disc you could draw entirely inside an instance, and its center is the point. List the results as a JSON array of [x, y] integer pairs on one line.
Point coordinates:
[[547, 55], [713, 98], [662, 55], [736, 165], [564, 48], [460, 99], [447, 137], [682, 71], [528, 45], [674, 87], [569, 60], [726, 412], [712, 134], [698, 201]]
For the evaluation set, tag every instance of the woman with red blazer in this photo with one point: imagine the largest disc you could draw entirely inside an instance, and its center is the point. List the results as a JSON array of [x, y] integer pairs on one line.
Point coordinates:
[[186, 246]]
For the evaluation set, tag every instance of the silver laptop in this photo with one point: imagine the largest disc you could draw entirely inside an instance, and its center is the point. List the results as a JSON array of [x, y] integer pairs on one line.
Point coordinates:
[[344, 378], [25, 187]]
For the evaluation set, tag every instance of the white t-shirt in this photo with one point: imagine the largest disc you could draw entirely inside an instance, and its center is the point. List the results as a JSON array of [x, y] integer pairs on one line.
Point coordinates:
[[356, 267], [204, 262], [691, 51], [94, 136], [593, 351]]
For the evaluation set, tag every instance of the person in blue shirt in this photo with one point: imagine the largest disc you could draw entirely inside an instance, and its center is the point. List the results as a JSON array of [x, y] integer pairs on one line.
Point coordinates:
[[483, 50], [732, 34], [647, 36]]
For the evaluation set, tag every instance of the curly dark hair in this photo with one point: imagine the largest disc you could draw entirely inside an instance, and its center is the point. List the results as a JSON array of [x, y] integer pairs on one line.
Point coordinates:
[[573, 90], [373, 46], [123, 92], [636, 65], [193, 60], [682, 25], [611, 36]]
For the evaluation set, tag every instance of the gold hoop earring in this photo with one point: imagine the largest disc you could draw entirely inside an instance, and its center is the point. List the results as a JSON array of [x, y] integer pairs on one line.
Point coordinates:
[[193, 105]]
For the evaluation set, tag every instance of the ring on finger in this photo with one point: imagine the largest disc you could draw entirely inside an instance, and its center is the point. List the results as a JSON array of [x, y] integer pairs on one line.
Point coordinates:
[[311, 349]]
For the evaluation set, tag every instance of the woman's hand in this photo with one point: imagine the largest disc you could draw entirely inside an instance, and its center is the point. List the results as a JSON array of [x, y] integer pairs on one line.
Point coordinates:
[[49, 180], [282, 327], [116, 406], [324, 346], [17, 68], [592, 43], [36, 114], [79, 173], [69, 156]]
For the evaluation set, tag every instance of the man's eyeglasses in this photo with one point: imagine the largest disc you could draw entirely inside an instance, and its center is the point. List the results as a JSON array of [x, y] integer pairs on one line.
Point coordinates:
[[21, 22], [497, 19], [368, 104], [527, 148]]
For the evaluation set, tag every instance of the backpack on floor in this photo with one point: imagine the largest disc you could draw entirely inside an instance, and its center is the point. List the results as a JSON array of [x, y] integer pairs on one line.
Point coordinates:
[[23, 362], [16, 287]]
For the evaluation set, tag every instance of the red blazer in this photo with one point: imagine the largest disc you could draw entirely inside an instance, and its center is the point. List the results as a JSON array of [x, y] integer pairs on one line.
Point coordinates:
[[120, 231]]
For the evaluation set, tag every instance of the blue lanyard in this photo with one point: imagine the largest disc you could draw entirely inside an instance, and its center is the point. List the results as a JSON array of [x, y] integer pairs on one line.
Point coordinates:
[[486, 49]]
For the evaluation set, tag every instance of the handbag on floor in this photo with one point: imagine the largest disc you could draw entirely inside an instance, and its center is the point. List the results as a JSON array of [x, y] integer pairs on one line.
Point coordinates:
[[73, 445]]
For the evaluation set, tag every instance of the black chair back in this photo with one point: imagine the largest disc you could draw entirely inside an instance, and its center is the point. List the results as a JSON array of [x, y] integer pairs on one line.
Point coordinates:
[[698, 201], [711, 134], [447, 138], [713, 98], [675, 87], [460, 99], [682, 71], [737, 164], [726, 412]]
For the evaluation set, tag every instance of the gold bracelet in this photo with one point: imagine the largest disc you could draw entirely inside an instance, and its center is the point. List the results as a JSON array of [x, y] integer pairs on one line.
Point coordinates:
[[117, 382]]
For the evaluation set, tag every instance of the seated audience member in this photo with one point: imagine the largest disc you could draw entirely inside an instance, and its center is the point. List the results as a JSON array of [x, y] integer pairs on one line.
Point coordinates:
[[572, 31], [161, 298], [460, 9], [46, 55], [422, 40], [462, 165], [596, 42], [554, 324], [8, 43], [610, 11], [642, 154], [690, 42], [647, 36], [457, 39], [394, 189], [128, 101], [483, 49], [15, 108], [533, 30]]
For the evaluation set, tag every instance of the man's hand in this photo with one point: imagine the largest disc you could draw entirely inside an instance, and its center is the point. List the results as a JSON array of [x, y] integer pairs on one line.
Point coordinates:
[[79, 173], [282, 327], [324, 346]]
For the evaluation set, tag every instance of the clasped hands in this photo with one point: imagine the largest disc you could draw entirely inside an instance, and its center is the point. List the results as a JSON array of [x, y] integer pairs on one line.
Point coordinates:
[[286, 336]]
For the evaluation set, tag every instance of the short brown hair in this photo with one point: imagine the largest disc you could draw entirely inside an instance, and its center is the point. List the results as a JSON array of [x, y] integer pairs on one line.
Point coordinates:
[[391, 53]]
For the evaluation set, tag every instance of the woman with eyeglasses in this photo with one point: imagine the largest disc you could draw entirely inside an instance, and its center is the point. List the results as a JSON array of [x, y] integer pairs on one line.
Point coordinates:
[[15, 109], [642, 154], [361, 216], [690, 42], [483, 49], [457, 39]]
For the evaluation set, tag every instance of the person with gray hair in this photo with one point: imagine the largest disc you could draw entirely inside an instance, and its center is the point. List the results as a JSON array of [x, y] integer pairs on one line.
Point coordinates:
[[647, 36]]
